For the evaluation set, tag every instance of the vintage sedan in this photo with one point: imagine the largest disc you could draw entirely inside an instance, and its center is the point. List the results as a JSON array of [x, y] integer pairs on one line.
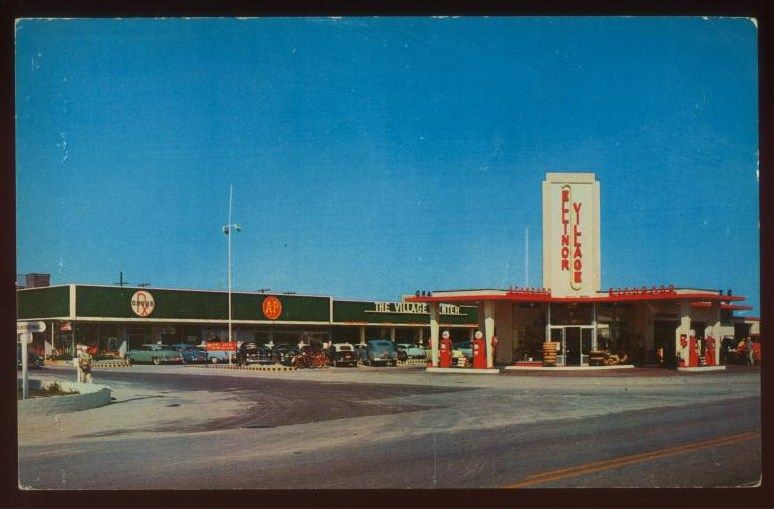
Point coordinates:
[[381, 351], [462, 349], [250, 353], [191, 354], [214, 356], [412, 351], [343, 354], [155, 354], [34, 361], [284, 354]]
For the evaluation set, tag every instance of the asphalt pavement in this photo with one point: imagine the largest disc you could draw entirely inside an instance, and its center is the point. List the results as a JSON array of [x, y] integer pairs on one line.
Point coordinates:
[[190, 428]]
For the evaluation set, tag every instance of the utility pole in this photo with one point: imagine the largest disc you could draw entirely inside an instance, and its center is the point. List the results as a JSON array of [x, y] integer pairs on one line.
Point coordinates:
[[227, 230]]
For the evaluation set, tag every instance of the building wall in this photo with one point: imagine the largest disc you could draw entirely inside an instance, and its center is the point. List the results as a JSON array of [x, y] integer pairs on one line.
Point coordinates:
[[50, 302]]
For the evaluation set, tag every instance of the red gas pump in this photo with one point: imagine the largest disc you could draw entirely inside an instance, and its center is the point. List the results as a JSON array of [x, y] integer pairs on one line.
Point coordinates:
[[693, 352], [479, 351], [683, 345], [445, 354], [709, 352]]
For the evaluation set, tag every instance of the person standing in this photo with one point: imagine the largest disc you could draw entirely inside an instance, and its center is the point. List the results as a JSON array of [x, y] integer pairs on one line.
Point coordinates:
[[750, 353], [84, 364]]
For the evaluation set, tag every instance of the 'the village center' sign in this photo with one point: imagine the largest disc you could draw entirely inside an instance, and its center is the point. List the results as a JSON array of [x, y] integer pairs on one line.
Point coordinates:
[[413, 308], [571, 251]]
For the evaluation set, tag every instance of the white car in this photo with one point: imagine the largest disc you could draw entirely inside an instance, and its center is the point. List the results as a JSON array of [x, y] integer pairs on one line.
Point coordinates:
[[413, 351]]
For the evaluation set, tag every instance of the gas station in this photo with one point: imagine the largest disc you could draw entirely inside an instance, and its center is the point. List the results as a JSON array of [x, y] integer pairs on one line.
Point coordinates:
[[571, 322]]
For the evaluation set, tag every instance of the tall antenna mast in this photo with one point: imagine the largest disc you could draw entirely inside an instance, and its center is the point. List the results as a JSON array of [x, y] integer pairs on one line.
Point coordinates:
[[526, 256]]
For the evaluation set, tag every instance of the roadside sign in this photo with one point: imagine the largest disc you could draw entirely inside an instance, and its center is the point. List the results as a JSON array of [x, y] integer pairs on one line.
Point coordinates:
[[24, 327], [221, 345]]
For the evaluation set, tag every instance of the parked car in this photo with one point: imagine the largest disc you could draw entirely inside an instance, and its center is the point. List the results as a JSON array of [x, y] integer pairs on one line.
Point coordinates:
[[34, 361], [728, 353], [462, 349], [401, 349], [191, 354], [412, 351], [360, 352], [214, 356], [250, 353], [284, 354], [155, 354], [381, 351], [343, 354]]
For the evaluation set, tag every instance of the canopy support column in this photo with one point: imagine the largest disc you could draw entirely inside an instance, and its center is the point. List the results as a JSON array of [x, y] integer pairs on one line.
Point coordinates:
[[548, 322], [715, 310], [684, 328], [434, 329], [489, 331]]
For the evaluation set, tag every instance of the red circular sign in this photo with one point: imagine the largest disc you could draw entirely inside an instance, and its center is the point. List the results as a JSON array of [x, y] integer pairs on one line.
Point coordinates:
[[272, 307]]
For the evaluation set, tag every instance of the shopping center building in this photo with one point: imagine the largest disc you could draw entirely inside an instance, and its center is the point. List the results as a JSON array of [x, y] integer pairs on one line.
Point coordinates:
[[648, 324], [117, 318]]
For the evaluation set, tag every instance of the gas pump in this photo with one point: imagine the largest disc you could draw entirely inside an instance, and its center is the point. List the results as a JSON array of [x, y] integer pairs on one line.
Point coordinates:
[[683, 345], [479, 351], [445, 354], [709, 351], [693, 351]]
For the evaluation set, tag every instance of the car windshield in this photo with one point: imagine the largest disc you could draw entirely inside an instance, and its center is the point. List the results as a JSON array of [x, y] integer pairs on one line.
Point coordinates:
[[166, 347], [344, 348], [382, 345]]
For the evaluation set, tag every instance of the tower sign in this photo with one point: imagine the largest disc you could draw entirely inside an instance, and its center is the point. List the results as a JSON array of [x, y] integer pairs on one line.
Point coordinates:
[[571, 249]]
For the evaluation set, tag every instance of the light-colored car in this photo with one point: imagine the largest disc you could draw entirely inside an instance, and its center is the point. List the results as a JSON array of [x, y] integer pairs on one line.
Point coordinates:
[[413, 351], [381, 351], [463, 348], [155, 354]]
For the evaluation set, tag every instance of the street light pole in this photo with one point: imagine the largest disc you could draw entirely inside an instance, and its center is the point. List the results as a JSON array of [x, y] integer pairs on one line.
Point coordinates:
[[227, 230]]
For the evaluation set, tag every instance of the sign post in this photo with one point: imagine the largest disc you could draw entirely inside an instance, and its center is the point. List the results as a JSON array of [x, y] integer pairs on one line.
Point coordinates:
[[24, 332]]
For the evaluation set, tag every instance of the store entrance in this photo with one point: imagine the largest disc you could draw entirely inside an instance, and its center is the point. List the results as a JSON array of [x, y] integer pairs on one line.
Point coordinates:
[[572, 352], [575, 343], [664, 343]]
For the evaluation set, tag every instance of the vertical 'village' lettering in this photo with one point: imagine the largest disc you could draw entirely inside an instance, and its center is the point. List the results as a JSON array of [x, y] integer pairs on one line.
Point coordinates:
[[571, 250]]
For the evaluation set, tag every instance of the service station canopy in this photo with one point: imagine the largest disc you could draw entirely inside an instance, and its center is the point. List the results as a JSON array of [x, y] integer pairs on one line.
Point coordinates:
[[618, 295]]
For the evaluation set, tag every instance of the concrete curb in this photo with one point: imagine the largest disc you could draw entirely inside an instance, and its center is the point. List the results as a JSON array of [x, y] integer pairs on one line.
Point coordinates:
[[274, 367], [464, 371], [701, 369], [89, 396], [413, 362], [117, 363], [568, 368], [104, 363]]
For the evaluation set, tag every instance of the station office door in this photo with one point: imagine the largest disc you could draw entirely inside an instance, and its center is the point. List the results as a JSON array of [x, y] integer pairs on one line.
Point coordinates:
[[575, 344]]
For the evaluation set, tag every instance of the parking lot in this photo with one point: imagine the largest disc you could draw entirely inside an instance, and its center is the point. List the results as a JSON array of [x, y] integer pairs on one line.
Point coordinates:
[[373, 427]]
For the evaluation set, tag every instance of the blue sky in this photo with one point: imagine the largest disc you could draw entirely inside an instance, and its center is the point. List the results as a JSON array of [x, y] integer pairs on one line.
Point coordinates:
[[372, 157]]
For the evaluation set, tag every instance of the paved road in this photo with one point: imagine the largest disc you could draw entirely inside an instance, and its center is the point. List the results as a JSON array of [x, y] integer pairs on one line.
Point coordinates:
[[188, 428]]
